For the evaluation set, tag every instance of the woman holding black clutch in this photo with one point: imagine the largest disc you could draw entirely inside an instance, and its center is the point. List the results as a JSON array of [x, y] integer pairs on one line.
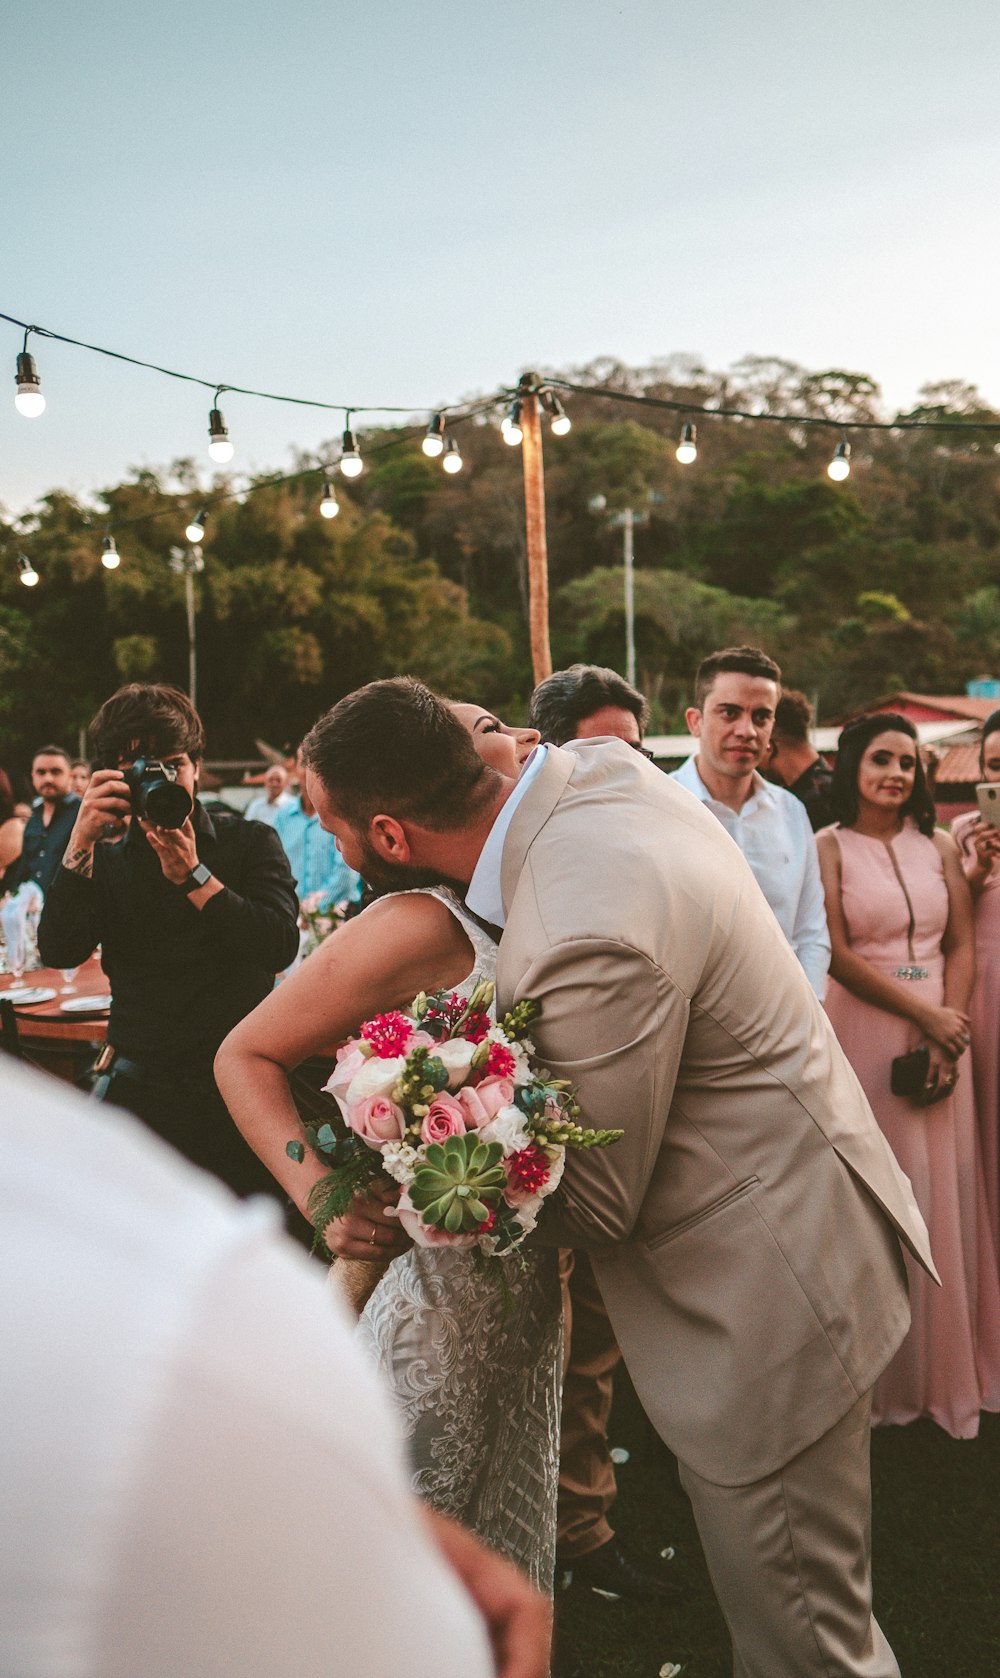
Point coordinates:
[[901, 976]]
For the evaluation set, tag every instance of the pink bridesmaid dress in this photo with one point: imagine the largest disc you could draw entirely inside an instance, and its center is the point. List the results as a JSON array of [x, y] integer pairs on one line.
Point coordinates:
[[948, 1367], [985, 1012]]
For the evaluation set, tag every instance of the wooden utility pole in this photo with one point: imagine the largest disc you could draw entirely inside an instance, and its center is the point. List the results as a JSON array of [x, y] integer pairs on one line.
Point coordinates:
[[534, 523]]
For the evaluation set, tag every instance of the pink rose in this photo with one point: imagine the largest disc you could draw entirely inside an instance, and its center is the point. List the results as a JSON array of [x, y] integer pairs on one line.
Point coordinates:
[[424, 1234], [444, 1118], [377, 1120], [482, 1102]]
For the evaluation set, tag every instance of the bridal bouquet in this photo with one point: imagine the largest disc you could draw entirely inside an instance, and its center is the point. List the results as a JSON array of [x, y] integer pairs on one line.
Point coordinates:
[[318, 917], [451, 1108]]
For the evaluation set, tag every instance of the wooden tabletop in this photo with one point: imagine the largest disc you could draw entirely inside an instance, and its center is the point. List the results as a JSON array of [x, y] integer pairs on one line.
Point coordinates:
[[45, 1021]]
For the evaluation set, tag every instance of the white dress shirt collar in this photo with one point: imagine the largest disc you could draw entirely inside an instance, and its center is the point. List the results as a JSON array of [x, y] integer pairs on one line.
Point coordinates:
[[484, 896], [689, 776]]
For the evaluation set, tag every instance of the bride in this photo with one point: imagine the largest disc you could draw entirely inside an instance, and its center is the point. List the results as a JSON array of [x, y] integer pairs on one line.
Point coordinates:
[[474, 1369]]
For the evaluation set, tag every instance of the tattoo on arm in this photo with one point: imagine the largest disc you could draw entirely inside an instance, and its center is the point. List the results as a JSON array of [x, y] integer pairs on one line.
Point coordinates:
[[80, 860]]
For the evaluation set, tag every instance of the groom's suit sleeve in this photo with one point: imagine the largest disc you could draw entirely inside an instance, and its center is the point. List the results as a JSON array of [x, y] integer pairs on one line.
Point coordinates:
[[614, 1024]]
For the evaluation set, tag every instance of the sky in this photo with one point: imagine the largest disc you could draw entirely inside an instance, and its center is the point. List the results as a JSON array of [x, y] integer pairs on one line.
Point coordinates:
[[392, 202]]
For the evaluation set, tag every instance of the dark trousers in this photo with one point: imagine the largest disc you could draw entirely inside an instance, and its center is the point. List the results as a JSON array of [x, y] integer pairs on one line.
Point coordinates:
[[190, 1114], [586, 1475]]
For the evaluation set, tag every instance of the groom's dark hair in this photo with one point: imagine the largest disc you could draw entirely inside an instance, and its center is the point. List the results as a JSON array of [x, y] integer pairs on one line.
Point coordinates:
[[395, 747]]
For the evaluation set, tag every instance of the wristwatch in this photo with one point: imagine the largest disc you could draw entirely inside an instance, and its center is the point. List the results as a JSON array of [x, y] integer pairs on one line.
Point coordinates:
[[199, 876]]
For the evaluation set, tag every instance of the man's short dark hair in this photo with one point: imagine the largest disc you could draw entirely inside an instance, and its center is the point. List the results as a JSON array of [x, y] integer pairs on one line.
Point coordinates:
[[395, 747], [744, 661], [50, 751], [146, 718], [567, 698], [793, 716]]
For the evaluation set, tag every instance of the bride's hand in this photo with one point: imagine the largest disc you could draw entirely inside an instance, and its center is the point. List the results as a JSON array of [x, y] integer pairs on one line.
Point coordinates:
[[370, 1230]]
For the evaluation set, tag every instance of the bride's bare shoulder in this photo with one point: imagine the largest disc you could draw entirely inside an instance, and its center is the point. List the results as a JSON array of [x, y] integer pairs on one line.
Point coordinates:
[[415, 921]]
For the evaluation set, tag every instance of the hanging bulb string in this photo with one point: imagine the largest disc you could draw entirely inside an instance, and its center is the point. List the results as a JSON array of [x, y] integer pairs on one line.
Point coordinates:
[[208, 384], [606, 393]]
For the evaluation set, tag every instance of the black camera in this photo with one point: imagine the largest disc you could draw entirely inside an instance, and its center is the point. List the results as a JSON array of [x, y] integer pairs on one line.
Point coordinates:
[[156, 794]]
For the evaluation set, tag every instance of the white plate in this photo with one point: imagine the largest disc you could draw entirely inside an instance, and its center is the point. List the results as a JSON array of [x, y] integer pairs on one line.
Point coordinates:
[[25, 995], [85, 1004]]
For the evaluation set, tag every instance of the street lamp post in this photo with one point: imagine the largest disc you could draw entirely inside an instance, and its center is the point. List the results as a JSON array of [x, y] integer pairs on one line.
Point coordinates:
[[188, 561], [628, 518]]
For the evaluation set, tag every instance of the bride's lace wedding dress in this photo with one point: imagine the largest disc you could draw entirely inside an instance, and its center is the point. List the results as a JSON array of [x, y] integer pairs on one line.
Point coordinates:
[[476, 1375]]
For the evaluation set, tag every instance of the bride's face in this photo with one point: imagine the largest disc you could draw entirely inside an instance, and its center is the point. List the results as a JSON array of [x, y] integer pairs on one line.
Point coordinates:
[[504, 749]]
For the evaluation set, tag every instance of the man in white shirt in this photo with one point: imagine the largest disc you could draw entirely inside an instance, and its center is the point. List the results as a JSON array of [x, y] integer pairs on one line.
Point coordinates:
[[275, 797], [201, 1475], [736, 691]]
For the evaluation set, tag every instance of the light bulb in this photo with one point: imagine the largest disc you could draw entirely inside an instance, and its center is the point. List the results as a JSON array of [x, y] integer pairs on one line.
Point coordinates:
[[29, 576], [219, 446], [687, 450], [433, 442], [561, 422], [196, 529], [110, 557], [452, 461], [840, 465], [29, 400], [351, 463], [510, 425], [329, 506]]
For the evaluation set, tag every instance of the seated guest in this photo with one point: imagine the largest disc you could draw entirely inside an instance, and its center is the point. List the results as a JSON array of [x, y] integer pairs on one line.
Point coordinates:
[[901, 977], [178, 1390], [795, 763], [275, 797], [736, 695], [193, 923], [11, 831], [582, 703], [51, 821], [979, 845], [319, 870]]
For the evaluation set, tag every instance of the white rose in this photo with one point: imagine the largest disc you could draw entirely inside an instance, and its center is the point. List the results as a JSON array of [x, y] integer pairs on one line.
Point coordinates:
[[527, 1213], [376, 1077], [508, 1129], [455, 1056]]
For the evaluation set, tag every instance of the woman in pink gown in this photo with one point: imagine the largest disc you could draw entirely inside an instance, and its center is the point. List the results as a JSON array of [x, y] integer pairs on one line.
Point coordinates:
[[901, 974], [979, 846]]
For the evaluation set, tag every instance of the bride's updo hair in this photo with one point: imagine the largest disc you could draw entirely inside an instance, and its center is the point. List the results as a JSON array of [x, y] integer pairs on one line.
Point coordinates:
[[395, 748]]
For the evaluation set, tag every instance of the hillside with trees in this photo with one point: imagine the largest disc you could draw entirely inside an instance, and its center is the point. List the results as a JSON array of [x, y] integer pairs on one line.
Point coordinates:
[[890, 579]]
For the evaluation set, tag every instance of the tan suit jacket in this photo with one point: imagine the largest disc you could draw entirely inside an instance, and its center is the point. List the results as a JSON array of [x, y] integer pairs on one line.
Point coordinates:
[[744, 1231]]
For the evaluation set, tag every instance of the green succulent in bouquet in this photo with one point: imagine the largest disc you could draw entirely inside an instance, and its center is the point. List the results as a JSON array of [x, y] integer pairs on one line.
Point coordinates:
[[459, 1183]]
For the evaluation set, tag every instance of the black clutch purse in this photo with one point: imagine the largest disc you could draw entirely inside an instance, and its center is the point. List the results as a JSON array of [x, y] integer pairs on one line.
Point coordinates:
[[909, 1078]]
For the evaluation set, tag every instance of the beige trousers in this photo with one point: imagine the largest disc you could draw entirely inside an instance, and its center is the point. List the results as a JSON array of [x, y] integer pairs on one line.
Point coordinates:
[[790, 1560]]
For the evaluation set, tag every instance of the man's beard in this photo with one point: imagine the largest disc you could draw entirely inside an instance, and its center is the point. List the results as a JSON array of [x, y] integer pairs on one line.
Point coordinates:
[[400, 876]]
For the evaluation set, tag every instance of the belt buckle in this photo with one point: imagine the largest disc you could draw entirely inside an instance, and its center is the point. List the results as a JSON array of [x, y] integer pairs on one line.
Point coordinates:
[[105, 1060], [912, 971]]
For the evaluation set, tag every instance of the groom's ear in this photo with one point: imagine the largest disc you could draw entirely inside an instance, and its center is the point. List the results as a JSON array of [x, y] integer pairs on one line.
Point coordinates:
[[692, 716], [388, 839]]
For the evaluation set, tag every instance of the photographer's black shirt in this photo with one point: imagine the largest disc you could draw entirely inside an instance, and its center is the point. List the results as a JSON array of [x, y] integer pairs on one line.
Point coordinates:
[[180, 977]]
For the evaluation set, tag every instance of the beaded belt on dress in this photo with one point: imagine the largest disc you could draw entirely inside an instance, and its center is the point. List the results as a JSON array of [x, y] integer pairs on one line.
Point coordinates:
[[911, 972]]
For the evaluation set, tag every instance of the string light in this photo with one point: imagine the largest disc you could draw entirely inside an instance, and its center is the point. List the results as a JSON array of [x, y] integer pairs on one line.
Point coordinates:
[[110, 557], [561, 422], [433, 443], [329, 506], [687, 448], [219, 446], [29, 400], [510, 425], [196, 529], [452, 461], [29, 576], [351, 463], [840, 465]]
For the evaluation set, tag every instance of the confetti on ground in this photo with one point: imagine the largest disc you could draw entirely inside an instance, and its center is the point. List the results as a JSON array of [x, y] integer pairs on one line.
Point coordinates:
[[619, 1454], [669, 1553], [670, 1669]]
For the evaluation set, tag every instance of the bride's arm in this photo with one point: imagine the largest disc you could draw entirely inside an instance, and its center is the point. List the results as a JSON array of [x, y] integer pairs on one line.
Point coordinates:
[[379, 960]]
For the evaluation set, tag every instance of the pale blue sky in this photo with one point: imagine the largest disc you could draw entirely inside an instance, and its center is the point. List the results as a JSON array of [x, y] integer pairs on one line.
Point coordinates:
[[404, 202]]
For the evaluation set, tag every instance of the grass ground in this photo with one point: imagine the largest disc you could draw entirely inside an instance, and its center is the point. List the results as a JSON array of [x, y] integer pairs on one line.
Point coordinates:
[[936, 1544]]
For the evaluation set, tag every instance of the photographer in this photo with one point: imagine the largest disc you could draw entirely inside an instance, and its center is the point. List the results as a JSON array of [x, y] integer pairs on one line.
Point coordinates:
[[194, 915]]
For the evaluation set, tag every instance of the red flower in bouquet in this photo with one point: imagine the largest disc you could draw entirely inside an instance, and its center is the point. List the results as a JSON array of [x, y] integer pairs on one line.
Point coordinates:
[[388, 1034], [500, 1062], [527, 1173]]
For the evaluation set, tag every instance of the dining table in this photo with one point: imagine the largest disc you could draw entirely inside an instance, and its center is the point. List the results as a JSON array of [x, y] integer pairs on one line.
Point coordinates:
[[62, 1031]]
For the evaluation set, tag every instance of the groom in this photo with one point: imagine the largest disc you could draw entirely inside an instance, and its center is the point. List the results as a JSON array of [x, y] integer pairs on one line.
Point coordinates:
[[745, 1232]]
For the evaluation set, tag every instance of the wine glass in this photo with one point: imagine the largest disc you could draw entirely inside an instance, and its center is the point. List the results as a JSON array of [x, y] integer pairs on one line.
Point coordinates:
[[68, 975]]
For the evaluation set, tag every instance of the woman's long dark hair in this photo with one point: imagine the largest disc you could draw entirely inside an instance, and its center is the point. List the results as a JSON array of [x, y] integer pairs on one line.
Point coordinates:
[[855, 739], [990, 726]]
